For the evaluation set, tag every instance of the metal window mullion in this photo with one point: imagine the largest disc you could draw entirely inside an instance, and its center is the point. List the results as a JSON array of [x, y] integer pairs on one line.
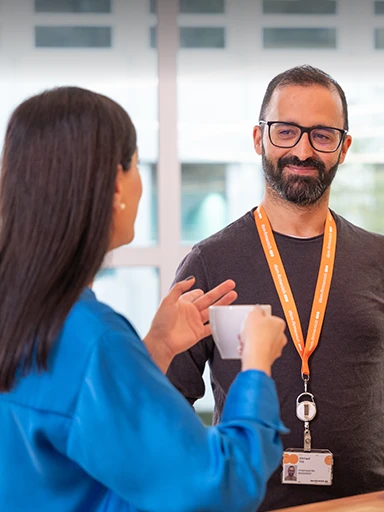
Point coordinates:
[[169, 176]]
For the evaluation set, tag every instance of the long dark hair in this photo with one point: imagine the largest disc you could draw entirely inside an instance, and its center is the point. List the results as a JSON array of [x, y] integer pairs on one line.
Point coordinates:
[[60, 158]]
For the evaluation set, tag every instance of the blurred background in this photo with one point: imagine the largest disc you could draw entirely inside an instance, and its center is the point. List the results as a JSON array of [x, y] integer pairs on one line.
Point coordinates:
[[192, 74]]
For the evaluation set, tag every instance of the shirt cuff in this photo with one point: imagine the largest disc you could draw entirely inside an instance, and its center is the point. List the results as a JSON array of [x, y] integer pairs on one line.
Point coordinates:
[[253, 397]]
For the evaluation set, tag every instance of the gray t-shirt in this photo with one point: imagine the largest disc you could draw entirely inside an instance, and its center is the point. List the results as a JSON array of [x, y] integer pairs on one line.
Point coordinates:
[[347, 368]]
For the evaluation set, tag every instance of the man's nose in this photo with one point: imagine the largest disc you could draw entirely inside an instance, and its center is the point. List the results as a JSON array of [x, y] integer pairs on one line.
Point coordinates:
[[303, 148]]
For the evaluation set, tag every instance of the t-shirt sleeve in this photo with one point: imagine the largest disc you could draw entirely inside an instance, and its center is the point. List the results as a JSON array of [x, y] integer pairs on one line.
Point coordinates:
[[186, 370], [134, 433]]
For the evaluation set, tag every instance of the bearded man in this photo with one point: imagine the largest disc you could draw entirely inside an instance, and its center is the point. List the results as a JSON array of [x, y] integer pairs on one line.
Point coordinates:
[[321, 273]]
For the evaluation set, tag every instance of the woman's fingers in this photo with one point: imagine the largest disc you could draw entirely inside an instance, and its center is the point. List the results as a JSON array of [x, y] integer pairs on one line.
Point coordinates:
[[258, 311], [227, 299], [179, 288], [216, 294], [192, 295]]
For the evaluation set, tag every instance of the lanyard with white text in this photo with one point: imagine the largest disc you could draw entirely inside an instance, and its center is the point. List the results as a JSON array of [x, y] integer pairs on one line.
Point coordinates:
[[283, 289]]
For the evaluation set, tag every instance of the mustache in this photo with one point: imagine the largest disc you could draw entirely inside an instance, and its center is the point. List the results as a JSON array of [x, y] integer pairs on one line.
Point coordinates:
[[294, 160]]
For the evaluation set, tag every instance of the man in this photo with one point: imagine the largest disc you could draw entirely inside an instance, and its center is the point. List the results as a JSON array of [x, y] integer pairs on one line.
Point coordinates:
[[302, 138], [291, 474]]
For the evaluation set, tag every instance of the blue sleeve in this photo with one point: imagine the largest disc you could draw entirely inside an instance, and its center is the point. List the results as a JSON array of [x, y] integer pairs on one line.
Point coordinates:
[[134, 433]]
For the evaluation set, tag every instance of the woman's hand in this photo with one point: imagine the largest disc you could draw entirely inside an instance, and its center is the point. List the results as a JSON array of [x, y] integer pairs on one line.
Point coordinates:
[[181, 320], [262, 340]]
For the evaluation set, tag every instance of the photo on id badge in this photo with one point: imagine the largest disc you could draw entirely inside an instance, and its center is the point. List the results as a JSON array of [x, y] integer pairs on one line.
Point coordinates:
[[307, 468]]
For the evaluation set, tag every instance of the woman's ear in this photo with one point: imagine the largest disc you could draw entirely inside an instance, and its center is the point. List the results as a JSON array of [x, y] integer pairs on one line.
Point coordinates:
[[118, 200], [257, 139]]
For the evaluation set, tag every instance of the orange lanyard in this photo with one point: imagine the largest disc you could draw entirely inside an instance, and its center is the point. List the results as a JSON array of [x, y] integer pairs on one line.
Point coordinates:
[[283, 289]]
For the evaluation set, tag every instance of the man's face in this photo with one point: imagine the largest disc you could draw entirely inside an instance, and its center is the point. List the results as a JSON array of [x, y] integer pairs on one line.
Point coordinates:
[[301, 175], [291, 471]]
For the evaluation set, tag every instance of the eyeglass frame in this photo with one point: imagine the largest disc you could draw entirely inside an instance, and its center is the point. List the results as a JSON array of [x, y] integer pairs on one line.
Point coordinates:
[[304, 130]]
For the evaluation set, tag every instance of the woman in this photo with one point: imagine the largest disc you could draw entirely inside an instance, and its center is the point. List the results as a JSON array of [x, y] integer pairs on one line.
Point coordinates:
[[88, 420]]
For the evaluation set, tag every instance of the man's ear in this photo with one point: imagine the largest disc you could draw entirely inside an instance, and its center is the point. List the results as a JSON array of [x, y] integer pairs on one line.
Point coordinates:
[[257, 139], [345, 147]]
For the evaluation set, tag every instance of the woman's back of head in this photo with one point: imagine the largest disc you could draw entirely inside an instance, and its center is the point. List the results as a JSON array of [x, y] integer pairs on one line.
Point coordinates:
[[60, 158]]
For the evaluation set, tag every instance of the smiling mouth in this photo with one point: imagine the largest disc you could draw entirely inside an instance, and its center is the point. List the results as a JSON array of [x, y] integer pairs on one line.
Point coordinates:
[[303, 171]]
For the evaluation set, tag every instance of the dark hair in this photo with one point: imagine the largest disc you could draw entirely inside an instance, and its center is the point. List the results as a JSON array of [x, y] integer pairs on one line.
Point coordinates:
[[60, 158], [304, 76]]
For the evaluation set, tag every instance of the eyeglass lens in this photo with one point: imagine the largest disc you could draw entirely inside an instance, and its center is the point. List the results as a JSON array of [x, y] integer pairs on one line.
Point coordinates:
[[323, 139]]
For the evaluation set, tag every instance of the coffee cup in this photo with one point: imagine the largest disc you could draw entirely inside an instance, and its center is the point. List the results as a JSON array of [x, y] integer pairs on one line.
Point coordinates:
[[227, 323]]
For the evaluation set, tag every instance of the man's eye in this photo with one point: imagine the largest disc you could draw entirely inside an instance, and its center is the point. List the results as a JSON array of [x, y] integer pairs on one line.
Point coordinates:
[[324, 137], [285, 133]]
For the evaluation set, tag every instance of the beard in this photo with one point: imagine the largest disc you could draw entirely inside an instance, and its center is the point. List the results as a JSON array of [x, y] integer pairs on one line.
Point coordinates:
[[300, 190]]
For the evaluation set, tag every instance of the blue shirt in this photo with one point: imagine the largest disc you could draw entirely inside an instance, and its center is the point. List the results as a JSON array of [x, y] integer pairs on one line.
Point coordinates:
[[104, 430]]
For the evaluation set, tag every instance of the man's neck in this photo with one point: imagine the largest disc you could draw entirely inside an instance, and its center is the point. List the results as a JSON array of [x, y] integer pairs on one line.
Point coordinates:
[[292, 220]]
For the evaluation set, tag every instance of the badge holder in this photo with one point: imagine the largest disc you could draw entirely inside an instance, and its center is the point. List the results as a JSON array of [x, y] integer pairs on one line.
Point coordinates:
[[306, 466]]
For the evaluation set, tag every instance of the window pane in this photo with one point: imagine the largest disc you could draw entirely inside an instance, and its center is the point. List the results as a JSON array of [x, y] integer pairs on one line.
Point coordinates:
[[358, 194], [203, 192], [153, 37], [299, 38], [146, 220], [196, 6], [379, 38], [202, 37], [201, 6], [379, 7], [299, 6], [73, 37], [214, 194], [195, 37], [95, 6], [131, 291]]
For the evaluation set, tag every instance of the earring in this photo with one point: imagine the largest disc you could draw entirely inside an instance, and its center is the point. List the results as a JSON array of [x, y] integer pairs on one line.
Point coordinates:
[[122, 206]]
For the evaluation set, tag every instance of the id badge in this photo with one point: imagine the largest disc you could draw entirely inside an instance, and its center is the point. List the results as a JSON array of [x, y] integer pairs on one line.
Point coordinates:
[[307, 468]]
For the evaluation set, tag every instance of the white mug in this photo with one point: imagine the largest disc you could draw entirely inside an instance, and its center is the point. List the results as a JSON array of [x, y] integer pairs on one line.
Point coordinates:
[[227, 323]]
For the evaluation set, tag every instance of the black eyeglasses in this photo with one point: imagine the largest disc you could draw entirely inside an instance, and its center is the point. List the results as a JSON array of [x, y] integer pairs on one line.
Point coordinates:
[[322, 138]]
